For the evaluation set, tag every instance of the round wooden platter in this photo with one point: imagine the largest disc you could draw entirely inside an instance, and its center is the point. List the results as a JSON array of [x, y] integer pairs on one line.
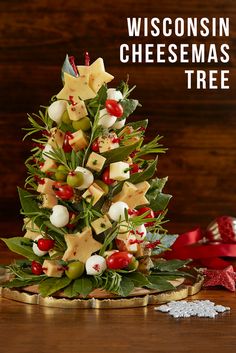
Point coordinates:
[[100, 299]]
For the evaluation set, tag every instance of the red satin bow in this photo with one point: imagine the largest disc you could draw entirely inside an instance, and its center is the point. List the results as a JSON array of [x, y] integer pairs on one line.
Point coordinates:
[[187, 246]]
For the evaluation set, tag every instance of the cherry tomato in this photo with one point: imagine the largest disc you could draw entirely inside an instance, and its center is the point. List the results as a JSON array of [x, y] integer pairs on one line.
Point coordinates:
[[132, 212], [45, 244], [119, 260], [120, 245], [114, 108], [71, 225], [134, 168], [66, 146], [36, 268], [63, 191], [106, 177], [151, 214], [95, 146]]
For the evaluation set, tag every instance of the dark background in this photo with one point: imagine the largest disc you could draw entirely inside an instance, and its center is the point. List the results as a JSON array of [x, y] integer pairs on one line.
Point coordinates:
[[199, 126]]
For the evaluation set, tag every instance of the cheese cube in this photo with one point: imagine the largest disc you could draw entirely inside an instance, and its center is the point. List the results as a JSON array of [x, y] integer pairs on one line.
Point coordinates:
[[95, 162], [56, 138], [52, 268], [119, 171], [46, 187], [48, 165], [128, 130], [77, 111], [101, 224], [94, 193], [123, 231], [131, 247], [32, 231], [79, 141], [106, 143], [49, 201]]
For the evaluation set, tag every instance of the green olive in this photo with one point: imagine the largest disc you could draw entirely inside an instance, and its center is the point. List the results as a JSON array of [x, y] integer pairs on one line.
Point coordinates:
[[103, 186], [82, 124], [66, 118], [74, 269], [61, 173], [75, 179], [133, 264]]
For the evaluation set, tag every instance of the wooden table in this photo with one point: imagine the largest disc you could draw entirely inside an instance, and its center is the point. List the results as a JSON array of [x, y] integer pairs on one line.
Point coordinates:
[[34, 329]]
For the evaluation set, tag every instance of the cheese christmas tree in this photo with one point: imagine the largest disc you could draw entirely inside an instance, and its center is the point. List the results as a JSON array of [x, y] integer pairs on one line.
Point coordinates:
[[93, 208]]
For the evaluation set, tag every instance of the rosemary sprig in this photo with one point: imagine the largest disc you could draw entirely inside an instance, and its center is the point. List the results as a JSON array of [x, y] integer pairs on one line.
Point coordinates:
[[39, 122]]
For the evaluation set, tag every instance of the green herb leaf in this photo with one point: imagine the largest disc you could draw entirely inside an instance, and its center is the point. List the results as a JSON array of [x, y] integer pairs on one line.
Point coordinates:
[[120, 153], [21, 246], [159, 283], [17, 283], [83, 286], [138, 279], [136, 124], [129, 106], [145, 175], [52, 285], [166, 240], [158, 201], [170, 265], [69, 291], [126, 286]]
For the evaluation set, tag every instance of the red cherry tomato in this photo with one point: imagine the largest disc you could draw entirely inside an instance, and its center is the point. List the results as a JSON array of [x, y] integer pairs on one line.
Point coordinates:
[[66, 146], [134, 168], [45, 244], [106, 177], [114, 108], [120, 245], [36, 268], [119, 260], [151, 214], [95, 146], [63, 191]]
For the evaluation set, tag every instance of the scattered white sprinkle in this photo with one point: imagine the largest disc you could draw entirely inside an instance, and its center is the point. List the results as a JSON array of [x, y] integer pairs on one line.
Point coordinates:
[[200, 308]]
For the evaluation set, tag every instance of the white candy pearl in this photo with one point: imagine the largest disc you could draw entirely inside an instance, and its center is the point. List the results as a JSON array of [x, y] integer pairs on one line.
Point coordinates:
[[105, 119], [48, 148], [141, 232], [119, 124], [60, 216], [112, 93], [117, 211], [88, 178], [35, 248], [56, 110], [95, 265]]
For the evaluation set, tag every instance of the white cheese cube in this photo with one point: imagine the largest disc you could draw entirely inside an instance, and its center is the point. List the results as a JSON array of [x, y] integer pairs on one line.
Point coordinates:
[[107, 143], [77, 111], [119, 171], [95, 162]]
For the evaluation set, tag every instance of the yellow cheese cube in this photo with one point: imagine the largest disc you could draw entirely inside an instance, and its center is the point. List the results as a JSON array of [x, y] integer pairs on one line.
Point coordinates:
[[48, 165], [52, 268], [119, 171], [46, 187], [77, 111], [49, 201], [106, 143], [123, 231], [79, 141], [32, 231], [95, 162], [101, 224], [56, 138], [94, 193]]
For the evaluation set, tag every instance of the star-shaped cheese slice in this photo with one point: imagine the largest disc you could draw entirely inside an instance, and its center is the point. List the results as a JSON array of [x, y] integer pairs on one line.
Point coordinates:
[[133, 194], [76, 87], [97, 74], [80, 246]]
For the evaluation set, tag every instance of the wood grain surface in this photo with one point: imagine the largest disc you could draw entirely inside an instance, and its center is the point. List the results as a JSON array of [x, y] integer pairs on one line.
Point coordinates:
[[199, 126]]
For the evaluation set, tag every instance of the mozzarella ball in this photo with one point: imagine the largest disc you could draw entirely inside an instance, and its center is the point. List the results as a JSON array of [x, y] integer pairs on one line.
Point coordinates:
[[60, 216], [95, 265], [117, 211], [119, 124], [141, 232], [112, 93], [35, 248], [105, 119], [48, 148], [56, 110], [88, 178]]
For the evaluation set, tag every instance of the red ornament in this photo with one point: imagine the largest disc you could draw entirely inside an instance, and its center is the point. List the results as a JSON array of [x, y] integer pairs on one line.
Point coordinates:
[[114, 108], [45, 244], [36, 268], [225, 278], [222, 230]]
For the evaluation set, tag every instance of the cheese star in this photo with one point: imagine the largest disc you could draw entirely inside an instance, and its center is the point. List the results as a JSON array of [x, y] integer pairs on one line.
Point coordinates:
[[76, 87], [133, 195], [80, 246], [97, 74]]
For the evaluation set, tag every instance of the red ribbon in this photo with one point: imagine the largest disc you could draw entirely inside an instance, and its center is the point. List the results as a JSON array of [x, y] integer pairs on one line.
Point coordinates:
[[188, 246]]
